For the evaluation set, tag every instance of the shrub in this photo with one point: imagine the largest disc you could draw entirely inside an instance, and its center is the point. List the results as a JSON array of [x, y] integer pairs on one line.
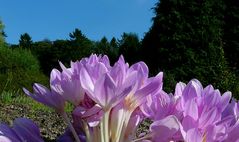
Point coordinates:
[[18, 68]]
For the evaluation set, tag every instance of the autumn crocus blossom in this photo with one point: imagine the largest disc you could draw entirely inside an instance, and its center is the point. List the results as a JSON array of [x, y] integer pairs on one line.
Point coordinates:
[[110, 102], [23, 130], [200, 114], [106, 98]]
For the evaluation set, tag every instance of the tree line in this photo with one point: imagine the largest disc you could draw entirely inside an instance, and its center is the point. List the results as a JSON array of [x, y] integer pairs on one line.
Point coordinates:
[[49, 53], [187, 39]]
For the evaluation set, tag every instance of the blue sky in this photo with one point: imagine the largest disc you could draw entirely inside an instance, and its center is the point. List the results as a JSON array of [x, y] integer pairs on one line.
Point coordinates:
[[55, 19]]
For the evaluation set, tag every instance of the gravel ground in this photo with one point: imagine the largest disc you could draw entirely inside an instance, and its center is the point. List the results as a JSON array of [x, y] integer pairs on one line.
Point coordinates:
[[51, 125]]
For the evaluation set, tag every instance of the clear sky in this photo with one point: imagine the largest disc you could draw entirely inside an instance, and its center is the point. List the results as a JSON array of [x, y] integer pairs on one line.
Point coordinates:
[[55, 19]]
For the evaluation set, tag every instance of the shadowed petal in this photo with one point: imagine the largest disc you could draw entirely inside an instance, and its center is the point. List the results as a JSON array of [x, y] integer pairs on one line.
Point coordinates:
[[27, 130], [7, 134]]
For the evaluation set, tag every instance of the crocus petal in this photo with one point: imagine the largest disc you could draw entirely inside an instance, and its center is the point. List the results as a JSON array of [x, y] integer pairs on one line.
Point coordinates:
[[212, 99], [152, 87], [209, 117], [233, 134], [142, 68], [164, 130], [105, 60], [104, 91], [226, 97], [134, 121], [216, 133], [7, 134], [92, 116], [191, 109], [71, 89], [189, 123], [208, 90], [158, 106], [193, 135], [67, 71], [46, 97], [192, 90], [27, 130], [179, 89], [6, 139], [86, 80], [99, 69], [55, 77]]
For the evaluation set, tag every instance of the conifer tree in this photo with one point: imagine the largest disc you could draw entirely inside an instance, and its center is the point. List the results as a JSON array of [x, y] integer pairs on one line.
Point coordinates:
[[25, 41], [231, 34], [129, 45], [185, 41]]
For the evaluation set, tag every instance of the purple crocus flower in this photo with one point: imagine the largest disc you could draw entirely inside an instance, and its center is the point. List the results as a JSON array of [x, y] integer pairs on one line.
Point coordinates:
[[233, 133], [203, 113], [165, 130], [67, 84], [159, 106], [111, 101], [45, 96], [108, 88], [23, 130], [7, 134]]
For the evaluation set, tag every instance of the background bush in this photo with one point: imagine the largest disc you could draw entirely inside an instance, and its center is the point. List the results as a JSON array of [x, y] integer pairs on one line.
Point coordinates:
[[18, 68]]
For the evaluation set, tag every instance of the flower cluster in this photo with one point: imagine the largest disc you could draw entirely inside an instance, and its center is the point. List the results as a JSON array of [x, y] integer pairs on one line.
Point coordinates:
[[192, 114], [110, 102]]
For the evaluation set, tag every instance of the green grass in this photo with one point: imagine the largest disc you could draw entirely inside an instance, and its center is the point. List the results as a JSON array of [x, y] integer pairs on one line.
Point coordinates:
[[18, 98]]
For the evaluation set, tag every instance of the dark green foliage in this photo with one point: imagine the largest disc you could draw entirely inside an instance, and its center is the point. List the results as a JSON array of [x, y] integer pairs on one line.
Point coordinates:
[[114, 50], [185, 41], [81, 42], [50, 53], [18, 68], [44, 53], [129, 45], [231, 34], [105, 47], [25, 41], [79, 45]]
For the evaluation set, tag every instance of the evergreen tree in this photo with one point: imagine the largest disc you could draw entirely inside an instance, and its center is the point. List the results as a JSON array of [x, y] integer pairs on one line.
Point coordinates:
[[185, 41], [25, 41], [77, 35], [43, 51], [81, 42], [108, 48], [129, 45], [113, 43], [103, 46], [114, 50], [231, 34]]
